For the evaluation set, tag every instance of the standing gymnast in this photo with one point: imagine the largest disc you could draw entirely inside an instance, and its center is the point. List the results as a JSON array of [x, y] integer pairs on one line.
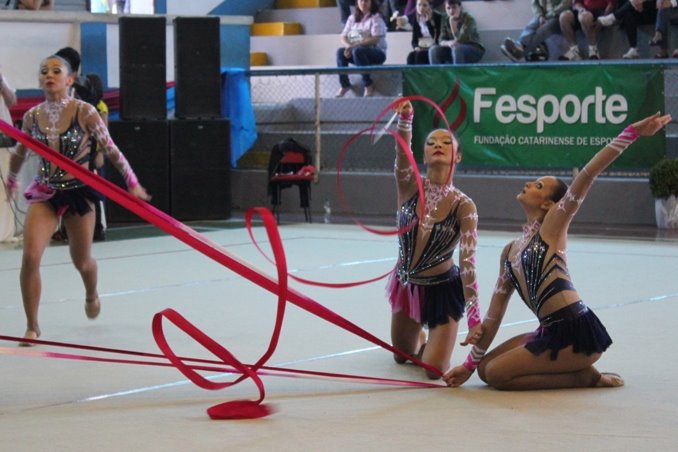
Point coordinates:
[[426, 288], [570, 338], [67, 125]]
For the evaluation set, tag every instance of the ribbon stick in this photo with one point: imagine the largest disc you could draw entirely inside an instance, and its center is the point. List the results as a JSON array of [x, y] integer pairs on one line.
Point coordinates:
[[384, 129], [216, 252]]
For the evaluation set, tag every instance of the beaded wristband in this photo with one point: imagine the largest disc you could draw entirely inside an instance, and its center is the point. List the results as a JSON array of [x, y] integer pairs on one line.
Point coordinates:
[[624, 139], [474, 357], [405, 121]]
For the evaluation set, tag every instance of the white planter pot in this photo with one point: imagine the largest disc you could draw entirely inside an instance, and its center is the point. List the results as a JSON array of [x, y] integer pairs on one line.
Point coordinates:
[[666, 212]]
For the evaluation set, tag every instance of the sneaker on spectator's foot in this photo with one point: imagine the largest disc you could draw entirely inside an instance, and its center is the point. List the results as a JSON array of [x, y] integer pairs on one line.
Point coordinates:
[[342, 91], [607, 20], [572, 54], [593, 53], [631, 54], [513, 50]]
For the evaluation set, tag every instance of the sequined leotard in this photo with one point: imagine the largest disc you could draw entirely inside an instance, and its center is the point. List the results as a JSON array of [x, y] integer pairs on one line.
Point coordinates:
[[439, 246], [543, 279], [537, 280], [433, 298], [70, 145]]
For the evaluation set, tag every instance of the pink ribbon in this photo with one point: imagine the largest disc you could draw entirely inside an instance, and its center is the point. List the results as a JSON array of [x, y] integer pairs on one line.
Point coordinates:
[[235, 409]]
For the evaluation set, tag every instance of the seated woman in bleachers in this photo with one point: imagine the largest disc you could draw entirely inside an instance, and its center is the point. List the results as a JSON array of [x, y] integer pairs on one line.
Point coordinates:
[[425, 31], [459, 40], [363, 43], [630, 15]]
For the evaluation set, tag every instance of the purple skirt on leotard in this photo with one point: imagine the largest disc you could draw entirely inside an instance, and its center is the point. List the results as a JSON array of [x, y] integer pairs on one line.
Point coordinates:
[[574, 325]]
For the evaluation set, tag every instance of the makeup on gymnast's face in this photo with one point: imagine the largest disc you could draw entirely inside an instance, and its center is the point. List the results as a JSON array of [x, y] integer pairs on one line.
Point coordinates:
[[440, 144], [54, 75]]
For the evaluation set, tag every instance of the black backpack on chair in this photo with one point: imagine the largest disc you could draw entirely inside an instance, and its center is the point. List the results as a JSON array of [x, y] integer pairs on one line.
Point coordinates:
[[274, 165]]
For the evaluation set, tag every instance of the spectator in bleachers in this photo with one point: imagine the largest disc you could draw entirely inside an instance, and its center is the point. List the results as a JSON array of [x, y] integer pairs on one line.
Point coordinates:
[[459, 40], [425, 24], [391, 9], [364, 44], [35, 4], [630, 15], [544, 23], [411, 6], [583, 16], [661, 35]]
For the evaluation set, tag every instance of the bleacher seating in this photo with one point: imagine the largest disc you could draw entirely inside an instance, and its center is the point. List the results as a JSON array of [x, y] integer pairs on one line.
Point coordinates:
[[496, 20]]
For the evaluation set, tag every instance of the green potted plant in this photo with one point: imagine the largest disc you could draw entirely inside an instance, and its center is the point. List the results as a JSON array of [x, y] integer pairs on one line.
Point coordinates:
[[664, 187]]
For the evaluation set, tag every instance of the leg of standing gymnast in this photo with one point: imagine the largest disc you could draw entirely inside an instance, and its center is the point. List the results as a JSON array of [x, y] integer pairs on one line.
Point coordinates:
[[41, 220], [80, 232]]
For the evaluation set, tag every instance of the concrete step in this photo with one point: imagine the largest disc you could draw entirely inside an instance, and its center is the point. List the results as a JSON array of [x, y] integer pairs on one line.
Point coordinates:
[[314, 20], [496, 21], [319, 50], [276, 29], [509, 14]]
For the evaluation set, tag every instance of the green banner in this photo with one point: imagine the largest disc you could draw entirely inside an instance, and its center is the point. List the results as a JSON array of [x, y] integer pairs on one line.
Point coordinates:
[[550, 116]]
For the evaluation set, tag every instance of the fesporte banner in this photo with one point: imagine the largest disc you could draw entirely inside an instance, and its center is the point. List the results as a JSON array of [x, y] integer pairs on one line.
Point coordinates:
[[546, 116]]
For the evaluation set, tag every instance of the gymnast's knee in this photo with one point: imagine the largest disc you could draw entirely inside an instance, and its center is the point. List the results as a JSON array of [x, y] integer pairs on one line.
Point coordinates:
[[493, 378]]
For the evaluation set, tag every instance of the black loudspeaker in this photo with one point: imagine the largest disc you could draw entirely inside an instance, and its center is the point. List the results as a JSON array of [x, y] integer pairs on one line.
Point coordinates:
[[143, 68], [200, 169], [197, 68], [145, 144]]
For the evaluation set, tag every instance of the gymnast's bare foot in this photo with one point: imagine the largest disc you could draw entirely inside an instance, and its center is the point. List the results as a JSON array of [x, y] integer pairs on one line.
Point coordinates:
[[31, 335], [609, 380], [92, 307]]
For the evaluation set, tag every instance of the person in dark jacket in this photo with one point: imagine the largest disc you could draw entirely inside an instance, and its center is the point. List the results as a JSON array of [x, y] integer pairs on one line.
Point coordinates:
[[425, 24]]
